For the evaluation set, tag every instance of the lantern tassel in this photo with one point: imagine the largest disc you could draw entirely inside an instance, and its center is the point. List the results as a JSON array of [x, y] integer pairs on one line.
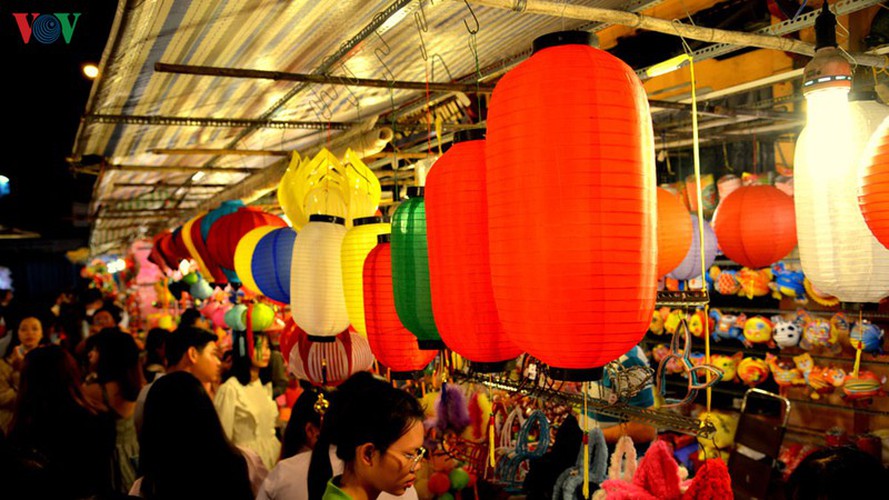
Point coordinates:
[[491, 460], [586, 448]]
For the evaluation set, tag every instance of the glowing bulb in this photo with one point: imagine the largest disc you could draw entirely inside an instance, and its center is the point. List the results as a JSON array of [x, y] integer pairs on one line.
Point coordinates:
[[90, 71]]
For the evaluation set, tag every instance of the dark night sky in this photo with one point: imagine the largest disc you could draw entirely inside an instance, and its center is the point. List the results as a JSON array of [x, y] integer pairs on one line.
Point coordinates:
[[44, 95]]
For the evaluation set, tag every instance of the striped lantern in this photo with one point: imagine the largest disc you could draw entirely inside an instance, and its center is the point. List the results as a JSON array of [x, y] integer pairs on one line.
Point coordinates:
[[873, 185], [572, 206], [317, 301], [360, 239], [227, 231], [329, 363], [838, 252], [192, 248], [756, 226], [459, 265], [673, 231], [244, 258], [410, 270], [272, 263], [393, 345]]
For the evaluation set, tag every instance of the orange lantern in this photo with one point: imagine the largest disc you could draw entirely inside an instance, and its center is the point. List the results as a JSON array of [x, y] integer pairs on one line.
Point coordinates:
[[393, 345], [756, 226], [572, 206], [673, 231], [459, 265], [873, 185]]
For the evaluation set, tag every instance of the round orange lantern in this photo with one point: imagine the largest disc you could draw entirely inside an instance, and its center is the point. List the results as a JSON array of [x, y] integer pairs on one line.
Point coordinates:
[[393, 345], [673, 231], [459, 265], [756, 226], [873, 185], [572, 206]]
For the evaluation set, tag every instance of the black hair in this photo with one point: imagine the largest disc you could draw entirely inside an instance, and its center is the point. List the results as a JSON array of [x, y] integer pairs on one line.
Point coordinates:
[[836, 472], [155, 340], [364, 409], [118, 361], [115, 311], [90, 295], [303, 413], [182, 441], [189, 317], [241, 362], [14, 340], [182, 338]]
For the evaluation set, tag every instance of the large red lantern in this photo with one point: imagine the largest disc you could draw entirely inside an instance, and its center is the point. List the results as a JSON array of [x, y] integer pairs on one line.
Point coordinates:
[[179, 246], [873, 185], [459, 265], [756, 226], [197, 240], [393, 345], [227, 231], [572, 206], [673, 231], [158, 254]]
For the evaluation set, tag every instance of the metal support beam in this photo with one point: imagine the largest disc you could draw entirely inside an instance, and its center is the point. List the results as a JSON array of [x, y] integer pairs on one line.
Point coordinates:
[[182, 169], [213, 151], [162, 185], [321, 78], [214, 122]]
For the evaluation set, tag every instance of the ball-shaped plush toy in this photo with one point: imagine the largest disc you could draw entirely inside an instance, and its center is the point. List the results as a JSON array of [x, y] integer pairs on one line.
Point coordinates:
[[445, 496], [439, 483], [191, 278], [459, 478]]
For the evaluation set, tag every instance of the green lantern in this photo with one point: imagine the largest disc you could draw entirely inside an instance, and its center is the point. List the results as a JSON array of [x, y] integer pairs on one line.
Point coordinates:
[[410, 270]]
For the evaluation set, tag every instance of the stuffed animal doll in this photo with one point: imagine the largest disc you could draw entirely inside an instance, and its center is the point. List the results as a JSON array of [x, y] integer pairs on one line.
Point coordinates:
[[786, 333]]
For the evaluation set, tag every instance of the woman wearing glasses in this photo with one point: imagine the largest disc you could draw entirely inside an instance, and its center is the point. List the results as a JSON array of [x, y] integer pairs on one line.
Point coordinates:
[[378, 434]]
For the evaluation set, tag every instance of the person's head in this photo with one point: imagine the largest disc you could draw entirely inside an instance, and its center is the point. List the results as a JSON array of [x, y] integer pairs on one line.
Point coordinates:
[[304, 425], [193, 350], [837, 472], [242, 361], [114, 357], [5, 296], [193, 317], [154, 346], [105, 317], [182, 440], [27, 334], [91, 300], [50, 385], [378, 433]]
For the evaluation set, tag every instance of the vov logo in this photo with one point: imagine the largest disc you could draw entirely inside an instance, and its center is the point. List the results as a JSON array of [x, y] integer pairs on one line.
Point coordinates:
[[46, 28]]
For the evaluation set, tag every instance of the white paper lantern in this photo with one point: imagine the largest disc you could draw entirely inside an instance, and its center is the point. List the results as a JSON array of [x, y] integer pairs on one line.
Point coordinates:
[[359, 241], [316, 278], [838, 253]]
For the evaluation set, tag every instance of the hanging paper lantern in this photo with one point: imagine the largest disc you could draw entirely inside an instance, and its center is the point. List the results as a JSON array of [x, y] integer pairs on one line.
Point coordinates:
[[157, 256], [329, 363], [755, 226], [359, 241], [286, 193], [673, 231], [362, 187], [410, 270], [192, 249], [272, 263], [234, 317], [224, 208], [873, 184], [262, 317], [690, 267], [201, 290], [244, 257], [459, 264], [180, 249], [572, 205], [316, 278], [392, 344], [228, 230], [213, 271], [838, 252], [289, 336]]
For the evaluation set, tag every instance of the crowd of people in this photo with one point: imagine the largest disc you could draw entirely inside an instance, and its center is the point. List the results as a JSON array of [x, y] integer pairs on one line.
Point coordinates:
[[93, 409]]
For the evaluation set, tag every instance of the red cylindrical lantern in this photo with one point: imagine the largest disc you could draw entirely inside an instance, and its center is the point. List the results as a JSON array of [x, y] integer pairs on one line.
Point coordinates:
[[393, 345], [873, 185], [756, 226], [459, 265], [158, 256], [179, 246], [673, 231], [227, 231], [572, 206]]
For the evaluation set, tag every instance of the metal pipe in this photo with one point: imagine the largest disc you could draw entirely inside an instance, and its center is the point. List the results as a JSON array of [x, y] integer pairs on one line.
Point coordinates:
[[214, 122], [218, 151], [182, 169]]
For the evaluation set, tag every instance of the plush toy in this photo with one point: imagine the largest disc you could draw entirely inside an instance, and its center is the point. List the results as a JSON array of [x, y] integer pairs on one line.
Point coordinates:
[[866, 385], [728, 326], [753, 371], [867, 335], [673, 320], [839, 327], [719, 444], [817, 335], [725, 282], [758, 330], [820, 382], [802, 318], [789, 283], [786, 333], [754, 282], [818, 296], [728, 365], [696, 323], [784, 372], [657, 321]]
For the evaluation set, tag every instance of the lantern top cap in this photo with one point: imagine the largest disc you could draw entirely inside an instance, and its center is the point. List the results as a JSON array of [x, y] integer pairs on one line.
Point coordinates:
[[383, 238], [416, 191], [362, 221], [559, 38], [333, 219], [473, 134]]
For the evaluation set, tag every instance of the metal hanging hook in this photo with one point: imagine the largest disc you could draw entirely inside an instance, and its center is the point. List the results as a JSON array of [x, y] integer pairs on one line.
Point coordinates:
[[474, 19]]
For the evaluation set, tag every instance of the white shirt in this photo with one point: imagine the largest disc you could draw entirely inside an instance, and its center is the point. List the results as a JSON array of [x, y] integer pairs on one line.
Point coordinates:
[[289, 479], [248, 415]]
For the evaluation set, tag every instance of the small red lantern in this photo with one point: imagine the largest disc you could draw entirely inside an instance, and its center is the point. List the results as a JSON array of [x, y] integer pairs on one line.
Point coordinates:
[[673, 231], [393, 344], [873, 186], [459, 265], [329, 363], [756, 226], [572, 206], [227, 231]]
